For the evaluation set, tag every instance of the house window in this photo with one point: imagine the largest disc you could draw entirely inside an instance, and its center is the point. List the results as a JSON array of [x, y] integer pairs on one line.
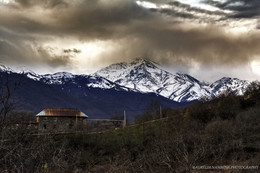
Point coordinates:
[[55, 119], [44, 126], [54, 126], [70, 125]]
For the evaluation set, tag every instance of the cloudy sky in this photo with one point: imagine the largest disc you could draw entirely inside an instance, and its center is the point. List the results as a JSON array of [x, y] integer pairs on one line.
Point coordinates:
[[205, 38]]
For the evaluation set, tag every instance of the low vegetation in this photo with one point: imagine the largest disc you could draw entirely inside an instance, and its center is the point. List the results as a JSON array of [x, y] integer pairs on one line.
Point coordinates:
[[221, 131]]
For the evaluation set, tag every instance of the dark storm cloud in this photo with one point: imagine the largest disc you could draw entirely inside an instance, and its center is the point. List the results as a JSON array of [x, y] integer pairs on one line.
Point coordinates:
[[53, 60], [15, 48], [205, 46], [135, 31], [241, 8], [44, 3], [184, 10], [71, 50], [174, 13], [189, 8], [89, 19], [7, 51]]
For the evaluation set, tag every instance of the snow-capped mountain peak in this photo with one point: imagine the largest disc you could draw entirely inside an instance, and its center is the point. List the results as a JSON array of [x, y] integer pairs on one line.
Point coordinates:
[[145, 76], [140, 74], [143, 62], [225, 83]]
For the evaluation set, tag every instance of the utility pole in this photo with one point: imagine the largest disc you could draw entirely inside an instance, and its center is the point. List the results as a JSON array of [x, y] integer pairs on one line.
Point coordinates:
[[124, 121], [76, 123], [160, 111]]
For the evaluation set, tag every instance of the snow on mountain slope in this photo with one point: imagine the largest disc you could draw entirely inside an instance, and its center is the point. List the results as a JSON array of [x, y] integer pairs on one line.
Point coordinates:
[[65, 78], [233, 84], [57, 78], [145, 76], [142, 76], [182, 87], [30, 74]]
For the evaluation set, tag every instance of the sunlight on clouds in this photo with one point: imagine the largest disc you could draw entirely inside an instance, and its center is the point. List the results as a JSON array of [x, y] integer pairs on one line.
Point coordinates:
[[255, 66], [197, 3], [91, 49], [242, 25], [90, 55], [5, 1], [146, 4], [202, 19], [84, 61]]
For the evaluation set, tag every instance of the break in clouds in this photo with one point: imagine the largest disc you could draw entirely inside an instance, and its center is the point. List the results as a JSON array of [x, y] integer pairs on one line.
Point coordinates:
[[167, 31]]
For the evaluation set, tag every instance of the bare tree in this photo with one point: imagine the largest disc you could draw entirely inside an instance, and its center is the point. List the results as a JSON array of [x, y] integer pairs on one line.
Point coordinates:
[[7, 89]]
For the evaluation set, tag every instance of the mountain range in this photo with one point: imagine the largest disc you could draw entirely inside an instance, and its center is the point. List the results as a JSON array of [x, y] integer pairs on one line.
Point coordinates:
[[113, 89], [145, 76]]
